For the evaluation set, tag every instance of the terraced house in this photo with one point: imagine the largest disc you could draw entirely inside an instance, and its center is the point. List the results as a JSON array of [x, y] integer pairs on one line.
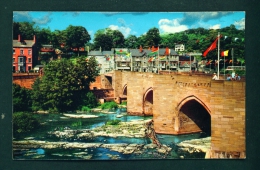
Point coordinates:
[[24, 53]]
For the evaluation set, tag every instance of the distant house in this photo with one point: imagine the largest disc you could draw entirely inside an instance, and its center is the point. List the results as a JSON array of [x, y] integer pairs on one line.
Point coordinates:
[[179, 47], [24, 53], [105, 60]]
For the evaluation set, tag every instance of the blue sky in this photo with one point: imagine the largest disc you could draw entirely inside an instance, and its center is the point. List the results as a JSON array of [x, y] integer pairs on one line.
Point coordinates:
[[132, 23]]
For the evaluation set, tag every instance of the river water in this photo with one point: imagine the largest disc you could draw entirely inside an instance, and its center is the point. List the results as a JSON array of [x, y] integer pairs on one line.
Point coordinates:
[[52, 122]]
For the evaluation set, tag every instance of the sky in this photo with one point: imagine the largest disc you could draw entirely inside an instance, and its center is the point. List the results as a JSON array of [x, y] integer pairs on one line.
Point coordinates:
[[132, 23]]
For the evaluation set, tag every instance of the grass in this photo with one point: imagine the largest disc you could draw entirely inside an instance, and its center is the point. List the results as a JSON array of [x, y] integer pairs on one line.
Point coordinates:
[[109, 105]]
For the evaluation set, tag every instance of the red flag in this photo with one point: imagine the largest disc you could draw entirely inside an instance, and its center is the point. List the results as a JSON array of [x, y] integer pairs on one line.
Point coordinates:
[[167, 51], [211, 47]]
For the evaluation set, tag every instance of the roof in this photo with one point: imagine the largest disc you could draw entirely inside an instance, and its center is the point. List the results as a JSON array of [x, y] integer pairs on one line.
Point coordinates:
[[25, 43]]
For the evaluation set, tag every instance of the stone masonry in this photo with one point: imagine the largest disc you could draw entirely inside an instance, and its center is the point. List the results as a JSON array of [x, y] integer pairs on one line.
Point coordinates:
[[224, 101]]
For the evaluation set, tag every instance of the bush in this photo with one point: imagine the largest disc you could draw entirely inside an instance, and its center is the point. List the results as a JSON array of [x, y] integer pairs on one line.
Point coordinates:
[[109, 105], [85, 108], [113, 122], [124, 103], [24, 122]]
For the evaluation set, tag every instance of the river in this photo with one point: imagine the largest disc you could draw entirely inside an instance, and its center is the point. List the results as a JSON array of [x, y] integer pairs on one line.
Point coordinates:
[[60, 123]]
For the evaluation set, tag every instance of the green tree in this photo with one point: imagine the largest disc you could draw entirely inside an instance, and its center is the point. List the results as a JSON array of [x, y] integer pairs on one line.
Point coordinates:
[[76, 36], [21, 98], [24, 29], [64, 84], [131, 42], [153, 37], [103, 41], [24, 122]]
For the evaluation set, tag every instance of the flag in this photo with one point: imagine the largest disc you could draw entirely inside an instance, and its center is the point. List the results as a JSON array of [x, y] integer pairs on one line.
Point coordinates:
[[154, 52], [162, 57], [122, 51], [224, 53], [211, 47], [167, 51], [151, 59], [141, 49]]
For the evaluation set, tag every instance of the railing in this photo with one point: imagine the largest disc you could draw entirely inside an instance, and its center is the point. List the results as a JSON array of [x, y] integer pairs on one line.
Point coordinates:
[[236, 68]]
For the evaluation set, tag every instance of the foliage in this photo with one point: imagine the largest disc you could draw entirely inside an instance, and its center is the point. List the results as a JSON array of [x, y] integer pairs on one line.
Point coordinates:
[[85, 108], [89, 100], [153, 37], [21, 98], [64, 84], [76, 36], [113, 122], [109, 105], [124, 103], [26, 30], [24, 122], [77, 124]]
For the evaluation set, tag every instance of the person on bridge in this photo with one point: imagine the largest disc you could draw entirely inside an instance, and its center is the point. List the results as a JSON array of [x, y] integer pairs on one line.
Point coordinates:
[[229, 77], [237, 77], [215, 77]]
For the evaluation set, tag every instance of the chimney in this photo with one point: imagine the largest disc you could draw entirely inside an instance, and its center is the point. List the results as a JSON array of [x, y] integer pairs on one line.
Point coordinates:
[[34, 38], [19, 38]]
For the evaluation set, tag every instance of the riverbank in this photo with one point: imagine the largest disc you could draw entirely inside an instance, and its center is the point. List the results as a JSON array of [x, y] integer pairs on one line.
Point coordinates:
[[77, 139], [195, 146]]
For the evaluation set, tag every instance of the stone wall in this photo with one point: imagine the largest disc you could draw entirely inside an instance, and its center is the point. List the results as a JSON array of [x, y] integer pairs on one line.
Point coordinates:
[[25, 80], [224, 101]]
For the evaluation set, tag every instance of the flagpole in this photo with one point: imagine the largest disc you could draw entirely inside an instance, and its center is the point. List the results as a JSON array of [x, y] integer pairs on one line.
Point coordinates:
[[218, 53], [158, 59], [224, 68]]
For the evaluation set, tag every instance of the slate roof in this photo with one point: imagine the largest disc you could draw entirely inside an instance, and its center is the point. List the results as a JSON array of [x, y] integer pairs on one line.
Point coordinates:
[[25, 43]]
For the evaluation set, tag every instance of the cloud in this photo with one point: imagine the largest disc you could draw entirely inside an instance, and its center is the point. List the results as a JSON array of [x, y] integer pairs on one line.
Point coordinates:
[[26, 17], [193, 17], [22, 17], [171, 26], [215, 27], [240, 24], [124, 30], [43, 20]]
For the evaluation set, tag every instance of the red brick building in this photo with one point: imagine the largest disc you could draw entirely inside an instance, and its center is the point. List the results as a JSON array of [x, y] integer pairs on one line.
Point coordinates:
[[24, 53]]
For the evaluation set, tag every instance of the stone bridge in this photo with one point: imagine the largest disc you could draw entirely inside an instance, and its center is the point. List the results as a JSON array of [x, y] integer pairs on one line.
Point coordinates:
[[182, 104]]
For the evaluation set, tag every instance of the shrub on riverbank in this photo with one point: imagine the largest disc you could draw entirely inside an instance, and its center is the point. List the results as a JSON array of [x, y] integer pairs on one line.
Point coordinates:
[[109, 105], [113, 122], [85, 108], [24, 122]]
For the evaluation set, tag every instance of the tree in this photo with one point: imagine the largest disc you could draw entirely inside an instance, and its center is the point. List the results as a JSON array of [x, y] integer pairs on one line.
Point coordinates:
[[131, 42], [103, 41], [153, 37], [24, 29], [76, 36], [21, 98], [64, 84]]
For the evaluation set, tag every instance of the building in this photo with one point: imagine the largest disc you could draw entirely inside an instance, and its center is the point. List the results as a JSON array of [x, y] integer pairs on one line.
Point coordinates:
[[179, 47], [24, 53], [122, 59], [105, 60], [140, 60]]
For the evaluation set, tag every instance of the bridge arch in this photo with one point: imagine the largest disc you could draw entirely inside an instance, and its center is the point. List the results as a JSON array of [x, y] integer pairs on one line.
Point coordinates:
[[124, 92], [148, 102], [192, 115]]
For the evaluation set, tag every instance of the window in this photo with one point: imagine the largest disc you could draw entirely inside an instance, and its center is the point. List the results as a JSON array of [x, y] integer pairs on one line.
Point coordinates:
[[29, 52], [13, 60], [13, 51], [29, 60], [29, 68], [20, 60], [21, 51]]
